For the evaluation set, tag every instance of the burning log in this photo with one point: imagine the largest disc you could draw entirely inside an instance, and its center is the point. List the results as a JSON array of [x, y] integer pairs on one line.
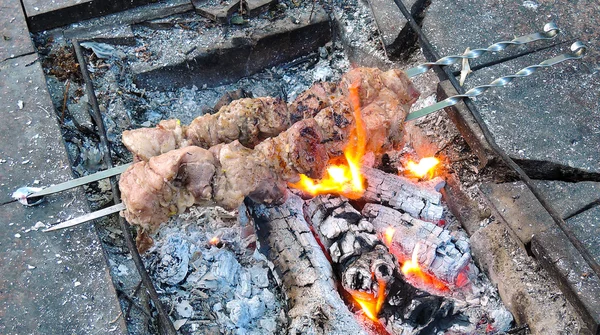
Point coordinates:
[[250, 121], [422, 245], [304, 271], [362, 262], [168, 184], [422, 199]]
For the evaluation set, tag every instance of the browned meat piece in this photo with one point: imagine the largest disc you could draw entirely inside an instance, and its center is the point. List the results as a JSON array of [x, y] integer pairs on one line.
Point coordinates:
[[166, 185], [226, 173], [252, 120], [150, 142], [311, 101], [248, 120]]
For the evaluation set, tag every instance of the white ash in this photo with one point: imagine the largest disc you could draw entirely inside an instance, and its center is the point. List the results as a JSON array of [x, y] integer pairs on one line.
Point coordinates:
[[226, 286]]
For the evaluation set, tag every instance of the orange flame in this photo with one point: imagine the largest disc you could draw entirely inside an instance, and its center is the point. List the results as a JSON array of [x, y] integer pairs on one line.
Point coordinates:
[[411, 269], [370, 304], [424, 167], [343, 179]]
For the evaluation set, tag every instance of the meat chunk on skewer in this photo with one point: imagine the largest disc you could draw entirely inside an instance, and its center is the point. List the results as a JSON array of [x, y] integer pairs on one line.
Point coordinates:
[[169, 183]]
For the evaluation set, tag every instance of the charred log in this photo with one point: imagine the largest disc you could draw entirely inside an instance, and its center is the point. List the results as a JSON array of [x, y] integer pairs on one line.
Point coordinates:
[[305, 273], [419, 199], [361, 261], [445, 255]]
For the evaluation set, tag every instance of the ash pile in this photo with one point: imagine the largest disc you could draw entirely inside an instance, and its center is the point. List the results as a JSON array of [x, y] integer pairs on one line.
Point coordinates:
[[207, 270]]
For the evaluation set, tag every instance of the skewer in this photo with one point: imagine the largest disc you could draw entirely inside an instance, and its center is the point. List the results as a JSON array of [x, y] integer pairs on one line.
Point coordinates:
[[578, 49], [32, 196], [550, 31]]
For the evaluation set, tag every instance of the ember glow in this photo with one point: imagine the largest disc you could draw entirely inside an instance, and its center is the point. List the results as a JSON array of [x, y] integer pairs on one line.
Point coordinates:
[[412, 270], [215, 241], [343, 179], [370, 304], [423, 168]]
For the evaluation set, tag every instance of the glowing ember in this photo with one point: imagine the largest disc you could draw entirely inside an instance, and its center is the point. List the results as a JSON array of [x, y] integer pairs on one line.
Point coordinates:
[[370, 304], [389, 236], [424, 167], [411, 269], [215, 241], [343, 179]]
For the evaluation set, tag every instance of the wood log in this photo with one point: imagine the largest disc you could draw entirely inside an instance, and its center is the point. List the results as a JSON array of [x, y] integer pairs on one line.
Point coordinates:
[[419, 199], [285, 238], [359, 259], [444, 255]]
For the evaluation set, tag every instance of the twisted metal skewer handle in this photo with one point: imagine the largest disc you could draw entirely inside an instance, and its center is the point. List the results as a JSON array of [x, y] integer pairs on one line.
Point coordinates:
[[578, 49], [550, 31]]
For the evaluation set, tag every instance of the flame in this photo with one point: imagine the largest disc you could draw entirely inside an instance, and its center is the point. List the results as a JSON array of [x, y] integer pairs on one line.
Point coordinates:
[[389, 236], [412, 269], [343, 179], [370, 304], [424, 167]]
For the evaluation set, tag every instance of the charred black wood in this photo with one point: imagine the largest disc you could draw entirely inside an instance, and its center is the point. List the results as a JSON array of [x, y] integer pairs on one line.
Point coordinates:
[[360, 260], [445, 255], [302, 268]]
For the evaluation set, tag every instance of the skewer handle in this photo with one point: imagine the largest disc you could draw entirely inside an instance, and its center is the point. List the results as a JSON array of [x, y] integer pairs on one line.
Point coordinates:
[[578, 49], [550, 31]]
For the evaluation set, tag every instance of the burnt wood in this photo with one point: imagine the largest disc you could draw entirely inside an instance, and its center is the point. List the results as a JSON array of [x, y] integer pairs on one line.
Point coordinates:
[[305, 273]]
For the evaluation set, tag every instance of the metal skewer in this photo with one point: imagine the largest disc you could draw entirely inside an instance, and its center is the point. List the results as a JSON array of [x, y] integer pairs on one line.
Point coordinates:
[[550, 31], [578, 49], [32, 196]]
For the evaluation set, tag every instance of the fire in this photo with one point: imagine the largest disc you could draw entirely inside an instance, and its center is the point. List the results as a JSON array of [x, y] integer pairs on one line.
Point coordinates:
[[215, 241], [389, 236], [423, 168], [343, 179], [370, 304], [411, 269]]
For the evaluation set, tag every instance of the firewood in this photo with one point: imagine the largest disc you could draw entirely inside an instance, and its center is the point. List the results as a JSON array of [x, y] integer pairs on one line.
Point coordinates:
[[361, 261], [422, 199], [303, 270], [445, 255], [250, 121]]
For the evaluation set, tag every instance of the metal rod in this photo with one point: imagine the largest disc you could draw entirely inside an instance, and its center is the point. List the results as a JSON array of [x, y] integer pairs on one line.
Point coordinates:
[[445, 74], [550, 31], [125, 227], [578, 49]]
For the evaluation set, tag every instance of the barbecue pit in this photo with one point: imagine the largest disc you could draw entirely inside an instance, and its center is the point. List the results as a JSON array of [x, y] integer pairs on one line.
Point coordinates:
[[237, 271]]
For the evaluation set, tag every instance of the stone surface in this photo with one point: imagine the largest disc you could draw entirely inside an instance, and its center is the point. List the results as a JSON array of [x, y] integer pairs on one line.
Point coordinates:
[[586, 226], [533, 298], [570, 198], [215, 60], [551, 116], [467, 125], [576, 279], [51, 283], [14, 35], [395, 33], [519, 208], [43, 14]]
